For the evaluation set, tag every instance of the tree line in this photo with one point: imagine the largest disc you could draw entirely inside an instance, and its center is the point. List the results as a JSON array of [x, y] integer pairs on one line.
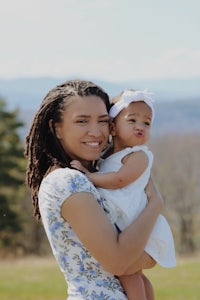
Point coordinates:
[[176, 171]]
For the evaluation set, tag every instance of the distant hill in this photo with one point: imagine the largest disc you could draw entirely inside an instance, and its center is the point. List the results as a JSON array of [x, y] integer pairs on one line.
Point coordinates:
[[177, 116], [177, 100], [28, 92]]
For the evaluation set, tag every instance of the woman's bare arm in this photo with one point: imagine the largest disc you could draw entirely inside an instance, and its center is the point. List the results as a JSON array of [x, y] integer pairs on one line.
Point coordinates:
[[116, 253]]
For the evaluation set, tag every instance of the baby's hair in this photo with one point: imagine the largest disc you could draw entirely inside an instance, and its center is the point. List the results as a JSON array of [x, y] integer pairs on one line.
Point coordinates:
[[43, 149]]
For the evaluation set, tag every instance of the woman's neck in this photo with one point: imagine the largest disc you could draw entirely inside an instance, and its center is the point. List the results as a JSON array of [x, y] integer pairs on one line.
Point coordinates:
[[89, 165]]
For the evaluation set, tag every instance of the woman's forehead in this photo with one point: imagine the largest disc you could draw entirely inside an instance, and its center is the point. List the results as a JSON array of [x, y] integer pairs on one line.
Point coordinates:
[[85, 104]]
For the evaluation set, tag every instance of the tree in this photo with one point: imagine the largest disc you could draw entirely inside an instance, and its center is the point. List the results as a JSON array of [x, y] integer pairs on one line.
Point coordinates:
[[11, 173], [176, 168]]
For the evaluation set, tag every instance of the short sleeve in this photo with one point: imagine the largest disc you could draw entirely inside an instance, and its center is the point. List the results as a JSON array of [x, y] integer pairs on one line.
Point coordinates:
[[60, 184]]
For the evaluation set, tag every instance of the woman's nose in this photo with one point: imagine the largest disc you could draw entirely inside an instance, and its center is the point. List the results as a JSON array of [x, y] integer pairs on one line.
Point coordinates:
[[94, 130]]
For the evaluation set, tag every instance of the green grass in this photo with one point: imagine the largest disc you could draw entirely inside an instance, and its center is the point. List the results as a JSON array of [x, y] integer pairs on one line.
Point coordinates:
[[31, 279], [40, 279], [179, 283]]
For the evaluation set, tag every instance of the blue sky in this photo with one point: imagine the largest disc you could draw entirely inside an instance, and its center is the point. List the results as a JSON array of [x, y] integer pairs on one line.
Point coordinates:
[[114, 40]]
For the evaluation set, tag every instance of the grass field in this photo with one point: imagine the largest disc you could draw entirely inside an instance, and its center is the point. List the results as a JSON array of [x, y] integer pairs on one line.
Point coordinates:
[[40, 279]]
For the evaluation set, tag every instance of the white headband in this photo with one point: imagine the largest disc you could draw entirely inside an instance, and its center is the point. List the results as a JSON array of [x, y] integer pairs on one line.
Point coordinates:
[[128, 97]]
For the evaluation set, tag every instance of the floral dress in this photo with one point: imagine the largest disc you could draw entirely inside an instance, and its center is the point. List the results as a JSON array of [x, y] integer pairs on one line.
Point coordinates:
[[85, 277]]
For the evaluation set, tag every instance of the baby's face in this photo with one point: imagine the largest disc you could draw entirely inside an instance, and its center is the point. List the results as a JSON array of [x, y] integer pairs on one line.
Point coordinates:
[[132, 125]]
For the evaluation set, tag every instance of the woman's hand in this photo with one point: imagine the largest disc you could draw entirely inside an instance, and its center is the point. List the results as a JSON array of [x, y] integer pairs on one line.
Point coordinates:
[[154, 195]]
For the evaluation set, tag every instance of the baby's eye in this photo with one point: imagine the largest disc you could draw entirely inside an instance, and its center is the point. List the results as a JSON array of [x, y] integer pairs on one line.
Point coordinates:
[[132, 120], [147, 124]]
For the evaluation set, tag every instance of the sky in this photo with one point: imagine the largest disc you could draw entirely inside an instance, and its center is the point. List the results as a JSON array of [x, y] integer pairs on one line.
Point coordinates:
[[114, 40]]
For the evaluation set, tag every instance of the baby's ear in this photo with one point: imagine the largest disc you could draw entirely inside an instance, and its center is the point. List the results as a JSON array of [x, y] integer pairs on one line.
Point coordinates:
[[112, 128]]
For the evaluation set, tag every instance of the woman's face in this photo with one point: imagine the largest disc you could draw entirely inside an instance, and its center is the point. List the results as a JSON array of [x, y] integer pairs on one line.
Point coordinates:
[[84, 129]]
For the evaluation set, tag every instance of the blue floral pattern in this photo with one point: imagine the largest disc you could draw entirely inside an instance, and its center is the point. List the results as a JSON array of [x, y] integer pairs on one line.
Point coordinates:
[[86, 279]]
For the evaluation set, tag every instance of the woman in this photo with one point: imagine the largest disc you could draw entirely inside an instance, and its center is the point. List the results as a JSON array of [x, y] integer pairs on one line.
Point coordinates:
[[73, 123]]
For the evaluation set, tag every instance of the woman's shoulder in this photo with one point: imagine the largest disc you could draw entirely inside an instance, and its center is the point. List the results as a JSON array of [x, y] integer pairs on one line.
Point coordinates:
[[60, 174], [66, 181], [59, 185]]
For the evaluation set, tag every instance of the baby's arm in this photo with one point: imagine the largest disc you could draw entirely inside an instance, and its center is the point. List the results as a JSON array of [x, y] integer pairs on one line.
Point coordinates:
[[134, 165]]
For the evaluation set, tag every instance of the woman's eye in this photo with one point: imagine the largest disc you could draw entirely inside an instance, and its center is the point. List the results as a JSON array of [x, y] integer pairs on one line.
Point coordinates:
[[104, 121], [81, 121]]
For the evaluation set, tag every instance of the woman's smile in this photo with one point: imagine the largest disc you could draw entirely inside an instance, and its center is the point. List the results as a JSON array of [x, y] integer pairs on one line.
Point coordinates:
[[92, 144], [84, 135]]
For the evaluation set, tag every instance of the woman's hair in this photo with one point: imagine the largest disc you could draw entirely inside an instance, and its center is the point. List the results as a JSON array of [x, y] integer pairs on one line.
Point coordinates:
[[43, 149]]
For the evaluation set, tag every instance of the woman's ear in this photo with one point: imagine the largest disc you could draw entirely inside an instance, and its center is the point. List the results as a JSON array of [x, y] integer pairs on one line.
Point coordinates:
[[51, 125], [112, 128], [54, 128]]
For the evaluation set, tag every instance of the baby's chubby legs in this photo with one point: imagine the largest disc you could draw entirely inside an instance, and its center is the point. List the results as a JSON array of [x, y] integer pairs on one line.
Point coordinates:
[[137, 286], [148, 288], [133, 286]]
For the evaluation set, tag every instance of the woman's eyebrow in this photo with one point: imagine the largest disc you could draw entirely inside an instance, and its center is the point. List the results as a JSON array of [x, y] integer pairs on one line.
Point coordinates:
[[104, 116], [88, 116]]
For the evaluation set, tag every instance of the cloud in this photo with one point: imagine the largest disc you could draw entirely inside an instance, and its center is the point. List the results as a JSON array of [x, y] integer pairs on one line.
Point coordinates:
[[109, 39], [174, 62], [177, 62]]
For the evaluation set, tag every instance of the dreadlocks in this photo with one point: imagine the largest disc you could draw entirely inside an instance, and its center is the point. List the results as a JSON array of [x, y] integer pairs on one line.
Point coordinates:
[[43, 148]]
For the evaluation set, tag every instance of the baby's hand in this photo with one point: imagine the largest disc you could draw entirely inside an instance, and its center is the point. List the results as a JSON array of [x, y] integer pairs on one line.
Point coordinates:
[[78, 165]]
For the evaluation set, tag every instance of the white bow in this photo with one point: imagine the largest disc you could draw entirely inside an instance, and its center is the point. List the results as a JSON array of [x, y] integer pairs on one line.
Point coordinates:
[[128, 97]]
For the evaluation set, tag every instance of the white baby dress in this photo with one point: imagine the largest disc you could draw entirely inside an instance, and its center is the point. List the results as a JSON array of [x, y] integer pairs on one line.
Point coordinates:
[[127, 203]]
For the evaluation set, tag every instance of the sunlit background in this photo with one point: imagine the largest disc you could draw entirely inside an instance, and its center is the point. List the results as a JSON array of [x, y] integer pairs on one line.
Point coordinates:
[[118, 44], [112, 40]]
